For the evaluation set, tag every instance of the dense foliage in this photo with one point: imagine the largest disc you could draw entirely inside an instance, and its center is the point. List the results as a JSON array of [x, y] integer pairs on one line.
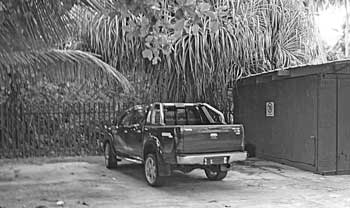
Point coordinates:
[[33, 39], [191, 50], [183, 50]]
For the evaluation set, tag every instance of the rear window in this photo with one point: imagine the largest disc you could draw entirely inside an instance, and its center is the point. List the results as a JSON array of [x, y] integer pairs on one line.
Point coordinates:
[[187, 115]]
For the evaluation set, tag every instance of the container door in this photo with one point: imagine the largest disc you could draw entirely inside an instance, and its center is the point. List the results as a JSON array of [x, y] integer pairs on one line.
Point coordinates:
[[343, 143], [294, 124]]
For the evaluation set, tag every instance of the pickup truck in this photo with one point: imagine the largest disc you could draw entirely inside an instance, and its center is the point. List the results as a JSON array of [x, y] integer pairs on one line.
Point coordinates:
[[175, 136]]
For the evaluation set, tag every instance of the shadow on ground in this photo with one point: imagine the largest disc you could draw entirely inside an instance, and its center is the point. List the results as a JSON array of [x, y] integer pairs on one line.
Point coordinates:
[[175, 184], [136, 171]]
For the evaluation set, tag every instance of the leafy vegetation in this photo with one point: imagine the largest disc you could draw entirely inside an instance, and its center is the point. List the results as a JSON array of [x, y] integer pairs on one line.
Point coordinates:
[[33, 37], [183, 50], [36, 67], [191, 50]]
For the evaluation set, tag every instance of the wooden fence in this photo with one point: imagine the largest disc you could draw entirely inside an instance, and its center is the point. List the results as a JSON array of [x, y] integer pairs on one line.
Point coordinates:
[[58, 130]]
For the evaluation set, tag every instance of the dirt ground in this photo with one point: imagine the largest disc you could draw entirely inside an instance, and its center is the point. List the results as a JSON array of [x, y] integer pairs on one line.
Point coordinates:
[[85, 182]]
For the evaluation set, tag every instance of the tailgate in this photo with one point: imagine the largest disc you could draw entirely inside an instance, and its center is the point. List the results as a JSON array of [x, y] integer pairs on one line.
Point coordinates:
[[212, 138]]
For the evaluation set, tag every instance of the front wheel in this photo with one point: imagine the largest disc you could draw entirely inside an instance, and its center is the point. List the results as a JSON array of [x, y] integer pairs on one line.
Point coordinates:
[[110, 159], [151, 171], [215, 174]]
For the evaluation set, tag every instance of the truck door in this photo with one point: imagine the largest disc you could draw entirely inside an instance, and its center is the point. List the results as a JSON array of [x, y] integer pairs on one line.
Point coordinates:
[[135, 139], [121, 137]]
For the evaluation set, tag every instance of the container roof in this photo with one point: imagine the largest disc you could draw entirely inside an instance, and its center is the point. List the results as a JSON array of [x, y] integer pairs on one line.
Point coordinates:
[[334, 67]]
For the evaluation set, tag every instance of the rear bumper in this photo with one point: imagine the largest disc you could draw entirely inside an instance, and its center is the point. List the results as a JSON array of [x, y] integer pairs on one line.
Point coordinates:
[[198, 159]]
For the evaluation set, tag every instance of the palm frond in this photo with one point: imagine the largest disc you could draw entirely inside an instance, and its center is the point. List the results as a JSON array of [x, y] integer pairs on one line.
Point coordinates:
[[32, 31], [34, 24], [60, 66]]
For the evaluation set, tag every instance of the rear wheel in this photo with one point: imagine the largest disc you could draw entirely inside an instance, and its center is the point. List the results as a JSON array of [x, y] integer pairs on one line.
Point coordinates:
[[110, 159], [215, 174], [151, 170]]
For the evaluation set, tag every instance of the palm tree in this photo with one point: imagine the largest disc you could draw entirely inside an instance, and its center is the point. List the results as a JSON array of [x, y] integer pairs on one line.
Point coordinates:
[[33, 34], [221, 42]]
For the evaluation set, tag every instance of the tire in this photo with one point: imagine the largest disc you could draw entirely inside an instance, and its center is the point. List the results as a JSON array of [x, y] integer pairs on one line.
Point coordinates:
[[215, 174], [110, 159], [151, 170]]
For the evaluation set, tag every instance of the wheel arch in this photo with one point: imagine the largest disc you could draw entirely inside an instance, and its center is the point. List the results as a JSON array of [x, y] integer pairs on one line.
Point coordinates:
[[150, 146]]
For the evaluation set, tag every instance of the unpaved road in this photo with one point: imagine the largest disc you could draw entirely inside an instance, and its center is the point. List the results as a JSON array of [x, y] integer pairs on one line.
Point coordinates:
[[84, 182]]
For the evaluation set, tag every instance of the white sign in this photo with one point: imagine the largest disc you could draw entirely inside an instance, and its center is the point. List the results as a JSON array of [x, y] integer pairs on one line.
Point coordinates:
[[270, 109]]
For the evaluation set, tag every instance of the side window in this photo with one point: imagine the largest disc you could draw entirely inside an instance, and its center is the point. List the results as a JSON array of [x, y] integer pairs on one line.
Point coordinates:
[[181, 116], [138, 116], [155, 117], [126, 119], [193, 116], [169, 116]]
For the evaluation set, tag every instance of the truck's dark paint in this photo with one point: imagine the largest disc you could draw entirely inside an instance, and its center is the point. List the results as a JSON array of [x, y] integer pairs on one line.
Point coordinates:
[[142, 136]]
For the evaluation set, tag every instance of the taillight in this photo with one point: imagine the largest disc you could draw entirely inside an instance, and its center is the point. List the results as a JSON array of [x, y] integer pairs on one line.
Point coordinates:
[[237, 130]]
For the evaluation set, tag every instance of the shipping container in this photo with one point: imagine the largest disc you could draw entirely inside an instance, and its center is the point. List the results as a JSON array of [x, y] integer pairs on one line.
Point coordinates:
[[298, 116]]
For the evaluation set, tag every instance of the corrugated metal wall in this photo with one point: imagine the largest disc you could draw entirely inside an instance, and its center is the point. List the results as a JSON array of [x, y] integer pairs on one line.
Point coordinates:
[[327, 126], [310, 128], [288, 136], [343, 130], [334, 123]]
